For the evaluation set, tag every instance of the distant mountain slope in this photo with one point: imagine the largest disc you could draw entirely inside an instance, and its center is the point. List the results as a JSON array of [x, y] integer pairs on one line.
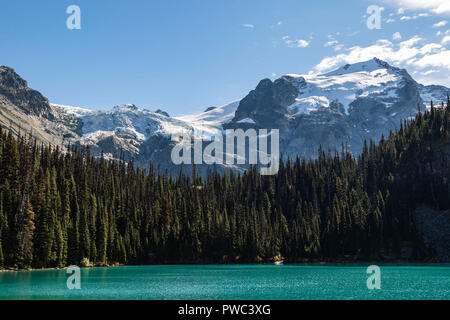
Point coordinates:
[[211, 121], [344, 107]]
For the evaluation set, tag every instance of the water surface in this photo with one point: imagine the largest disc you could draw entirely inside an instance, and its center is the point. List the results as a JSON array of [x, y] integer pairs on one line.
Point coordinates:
[[267, 282]]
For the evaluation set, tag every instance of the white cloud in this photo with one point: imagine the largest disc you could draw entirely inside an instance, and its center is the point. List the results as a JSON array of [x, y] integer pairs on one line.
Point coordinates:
[[440, 24], [446, 40], [417, 16], [331, 43], [295, 43], [247, 25], [440, 33], [413, 54], [381, 49], [410, 42], [401, 11], [434, 6], [439, 59], [300, 43], [390, 20], [427, 73], [397, 36], [279, 23]]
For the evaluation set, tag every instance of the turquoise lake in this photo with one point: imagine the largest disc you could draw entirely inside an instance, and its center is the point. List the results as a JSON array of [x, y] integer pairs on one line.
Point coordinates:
[[267, 282]]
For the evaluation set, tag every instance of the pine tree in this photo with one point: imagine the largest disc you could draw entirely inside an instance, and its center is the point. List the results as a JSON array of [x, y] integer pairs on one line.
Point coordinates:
[[28, 235], [102, 237], [85, 239], [2, 258]]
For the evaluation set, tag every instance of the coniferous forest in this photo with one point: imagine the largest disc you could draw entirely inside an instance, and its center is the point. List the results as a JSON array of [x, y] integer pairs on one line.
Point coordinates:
[[59, 208]]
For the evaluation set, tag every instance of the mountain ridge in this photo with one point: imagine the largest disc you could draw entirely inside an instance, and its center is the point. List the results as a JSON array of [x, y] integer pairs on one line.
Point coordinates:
[[354, 103]]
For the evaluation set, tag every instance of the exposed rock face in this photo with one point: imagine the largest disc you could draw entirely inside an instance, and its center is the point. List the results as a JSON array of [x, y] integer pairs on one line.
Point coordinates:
[[26, 111], [267, 104], [308, 132], [162, 112], [210, 109], [10, 79], [16, 90], [434, 93]]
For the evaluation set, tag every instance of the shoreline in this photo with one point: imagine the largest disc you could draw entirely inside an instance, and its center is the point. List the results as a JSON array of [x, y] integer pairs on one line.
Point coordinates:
[[60, 268], [314, 263]]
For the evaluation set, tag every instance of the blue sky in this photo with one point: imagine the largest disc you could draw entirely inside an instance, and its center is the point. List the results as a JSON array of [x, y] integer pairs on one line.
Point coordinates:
[[186, 56]]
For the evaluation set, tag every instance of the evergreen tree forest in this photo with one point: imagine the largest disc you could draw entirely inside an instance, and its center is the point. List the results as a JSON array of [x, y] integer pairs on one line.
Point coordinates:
[[59, 208]]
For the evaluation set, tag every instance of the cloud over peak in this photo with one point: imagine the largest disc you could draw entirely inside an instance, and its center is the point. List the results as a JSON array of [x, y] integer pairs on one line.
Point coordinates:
[[415, 54], [434, 6]]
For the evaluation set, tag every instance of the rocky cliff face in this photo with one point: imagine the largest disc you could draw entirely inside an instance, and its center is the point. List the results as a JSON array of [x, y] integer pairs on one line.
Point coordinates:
[[308, 132], [26, 111], [15, 89], [267, 104]]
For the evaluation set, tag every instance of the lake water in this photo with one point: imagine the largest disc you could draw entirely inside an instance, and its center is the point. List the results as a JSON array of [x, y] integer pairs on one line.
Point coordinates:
[[290, 282]]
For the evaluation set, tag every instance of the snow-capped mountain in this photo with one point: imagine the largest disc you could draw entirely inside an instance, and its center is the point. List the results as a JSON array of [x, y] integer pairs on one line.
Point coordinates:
[[365, 79], [212, 120], [343, 107], [374, 79], [127, 128], [353, 103]]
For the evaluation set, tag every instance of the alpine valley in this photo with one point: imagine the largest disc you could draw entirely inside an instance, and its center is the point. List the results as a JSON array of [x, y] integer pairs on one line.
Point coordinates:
[[385, 197]]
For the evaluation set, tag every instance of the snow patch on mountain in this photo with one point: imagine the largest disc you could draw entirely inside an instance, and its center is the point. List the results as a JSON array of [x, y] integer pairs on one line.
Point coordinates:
[[128, 122], [76, 111], [247, 120], [437, 94], [209, 123], [308, 104], [124, 121], [372, 78], [365, 66]]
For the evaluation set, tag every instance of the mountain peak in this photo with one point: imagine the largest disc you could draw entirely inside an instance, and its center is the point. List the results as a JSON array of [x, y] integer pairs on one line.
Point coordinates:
[[9, 78], [16, 90], [125, 107], [162, 112], [365, 66]]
